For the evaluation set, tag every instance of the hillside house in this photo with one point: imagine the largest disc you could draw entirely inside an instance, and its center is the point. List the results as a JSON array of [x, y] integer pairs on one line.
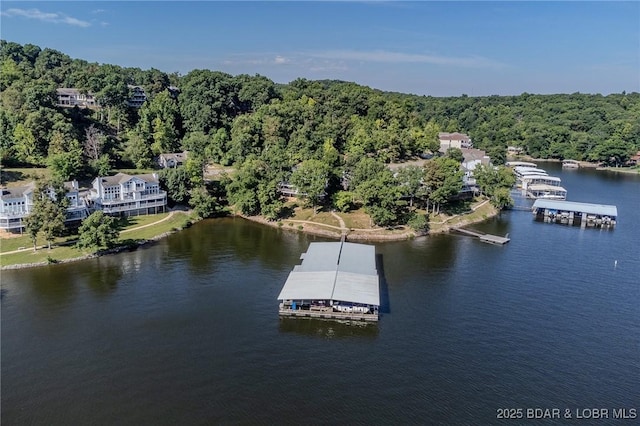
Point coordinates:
[[454, 140], [172, 160], [137, 96], [70, 97]]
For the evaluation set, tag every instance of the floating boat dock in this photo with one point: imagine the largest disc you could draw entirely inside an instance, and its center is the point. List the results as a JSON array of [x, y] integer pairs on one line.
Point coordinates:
[[574, 214], [336, 280], [485, 238]]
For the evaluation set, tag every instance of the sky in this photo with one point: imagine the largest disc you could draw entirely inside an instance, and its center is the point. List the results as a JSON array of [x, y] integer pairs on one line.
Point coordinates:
[[427, 48]]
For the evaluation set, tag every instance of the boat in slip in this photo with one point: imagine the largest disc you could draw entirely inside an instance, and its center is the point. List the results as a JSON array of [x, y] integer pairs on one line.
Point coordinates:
[[570, 164]]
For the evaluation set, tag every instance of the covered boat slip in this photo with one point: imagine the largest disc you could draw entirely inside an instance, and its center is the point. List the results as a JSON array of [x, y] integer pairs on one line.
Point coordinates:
[[545, 191], [573, 213], [520, 164], [336, 280], [527, 180], [521, 171]]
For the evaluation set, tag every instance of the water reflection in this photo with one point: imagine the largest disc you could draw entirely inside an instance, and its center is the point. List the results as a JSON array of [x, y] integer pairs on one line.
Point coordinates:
[[328, 329]]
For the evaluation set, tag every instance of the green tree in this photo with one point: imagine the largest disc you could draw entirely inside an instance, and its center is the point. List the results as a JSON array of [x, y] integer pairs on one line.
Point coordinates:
[[381, 197], [410, 179], [344, 201], [455, 154], [98, 231], [443, 178], [310, 179], [501, 198], [177, 183], [65, 158], [203, 203], [48, 212]]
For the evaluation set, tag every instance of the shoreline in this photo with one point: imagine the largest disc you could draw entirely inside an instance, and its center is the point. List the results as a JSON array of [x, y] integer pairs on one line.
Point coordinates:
[[307, 227], [372, 234]]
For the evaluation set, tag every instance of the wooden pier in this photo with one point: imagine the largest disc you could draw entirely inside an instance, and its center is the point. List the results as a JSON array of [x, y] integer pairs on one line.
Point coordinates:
[[485, 238]]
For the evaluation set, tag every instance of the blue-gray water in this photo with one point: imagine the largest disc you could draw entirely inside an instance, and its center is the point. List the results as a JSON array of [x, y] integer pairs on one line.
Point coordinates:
[[187, 332]]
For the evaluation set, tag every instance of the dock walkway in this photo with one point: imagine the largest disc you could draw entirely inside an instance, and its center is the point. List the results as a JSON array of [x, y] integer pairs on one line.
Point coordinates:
[[485, 238]]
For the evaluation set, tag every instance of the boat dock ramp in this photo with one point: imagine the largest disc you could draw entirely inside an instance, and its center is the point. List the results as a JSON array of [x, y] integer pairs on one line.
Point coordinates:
[[485, 238]]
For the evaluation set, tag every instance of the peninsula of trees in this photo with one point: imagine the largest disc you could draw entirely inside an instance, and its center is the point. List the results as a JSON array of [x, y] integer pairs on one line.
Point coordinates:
[[331, 139]]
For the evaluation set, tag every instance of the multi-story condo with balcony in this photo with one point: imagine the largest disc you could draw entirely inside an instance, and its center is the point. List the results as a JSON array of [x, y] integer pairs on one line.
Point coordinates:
[[17, 203], [137, 96], [127, 195]]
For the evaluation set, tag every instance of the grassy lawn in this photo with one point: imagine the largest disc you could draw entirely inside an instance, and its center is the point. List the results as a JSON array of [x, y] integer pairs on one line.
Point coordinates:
[[356, 219], [480, 214], [58, 252], [22, 176], [177, 221], [134, 221]]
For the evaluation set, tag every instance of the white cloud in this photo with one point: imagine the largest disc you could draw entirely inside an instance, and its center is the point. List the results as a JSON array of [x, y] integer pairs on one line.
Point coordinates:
[[397, 57], [56, 18], [281, 60]]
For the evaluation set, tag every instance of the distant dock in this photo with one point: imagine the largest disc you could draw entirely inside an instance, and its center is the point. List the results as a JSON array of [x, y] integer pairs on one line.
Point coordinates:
[[485, 238], [574, 214]]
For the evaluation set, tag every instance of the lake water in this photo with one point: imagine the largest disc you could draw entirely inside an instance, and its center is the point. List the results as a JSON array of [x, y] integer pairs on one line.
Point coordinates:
[[186, 331]]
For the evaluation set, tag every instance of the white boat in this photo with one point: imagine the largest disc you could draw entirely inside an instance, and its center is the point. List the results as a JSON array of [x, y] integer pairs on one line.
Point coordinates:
[[570, 164]]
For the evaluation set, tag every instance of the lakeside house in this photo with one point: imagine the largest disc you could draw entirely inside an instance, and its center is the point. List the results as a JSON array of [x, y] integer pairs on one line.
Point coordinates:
[[17, 203], [472, 159], [128, 195]]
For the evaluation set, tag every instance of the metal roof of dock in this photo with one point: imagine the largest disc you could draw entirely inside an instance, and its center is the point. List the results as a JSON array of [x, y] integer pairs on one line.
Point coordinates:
[[588, 208], [335, 271]]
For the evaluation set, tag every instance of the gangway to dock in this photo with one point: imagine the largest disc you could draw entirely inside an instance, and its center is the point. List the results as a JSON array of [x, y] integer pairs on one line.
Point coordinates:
[[485, 238]]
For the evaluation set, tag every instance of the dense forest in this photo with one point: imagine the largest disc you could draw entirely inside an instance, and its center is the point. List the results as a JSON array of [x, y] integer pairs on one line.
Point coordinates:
[[305, 132]]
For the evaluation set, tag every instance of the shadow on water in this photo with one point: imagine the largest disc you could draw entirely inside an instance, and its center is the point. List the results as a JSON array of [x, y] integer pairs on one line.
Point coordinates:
[[328, 329], [385, 304]]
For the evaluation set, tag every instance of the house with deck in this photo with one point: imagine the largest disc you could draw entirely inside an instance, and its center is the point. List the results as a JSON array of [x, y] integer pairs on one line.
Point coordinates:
[[70, 97], [454, 140], [128, 195], [172, 160], [17, 203]]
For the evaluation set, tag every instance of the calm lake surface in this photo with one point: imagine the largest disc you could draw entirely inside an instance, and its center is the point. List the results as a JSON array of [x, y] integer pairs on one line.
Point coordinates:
[[186, 331]]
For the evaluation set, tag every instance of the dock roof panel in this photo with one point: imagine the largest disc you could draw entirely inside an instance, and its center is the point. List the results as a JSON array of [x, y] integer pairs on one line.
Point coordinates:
[[598, 209], [357, 288], [308, 286], [358, 258], [320, 257]]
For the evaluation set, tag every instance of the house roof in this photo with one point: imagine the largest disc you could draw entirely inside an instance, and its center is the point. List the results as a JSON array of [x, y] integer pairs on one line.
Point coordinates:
[[70, 91], [335, 271], [453, 136], [178, 156], [472, 154], [17, 191], [121, 178]]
